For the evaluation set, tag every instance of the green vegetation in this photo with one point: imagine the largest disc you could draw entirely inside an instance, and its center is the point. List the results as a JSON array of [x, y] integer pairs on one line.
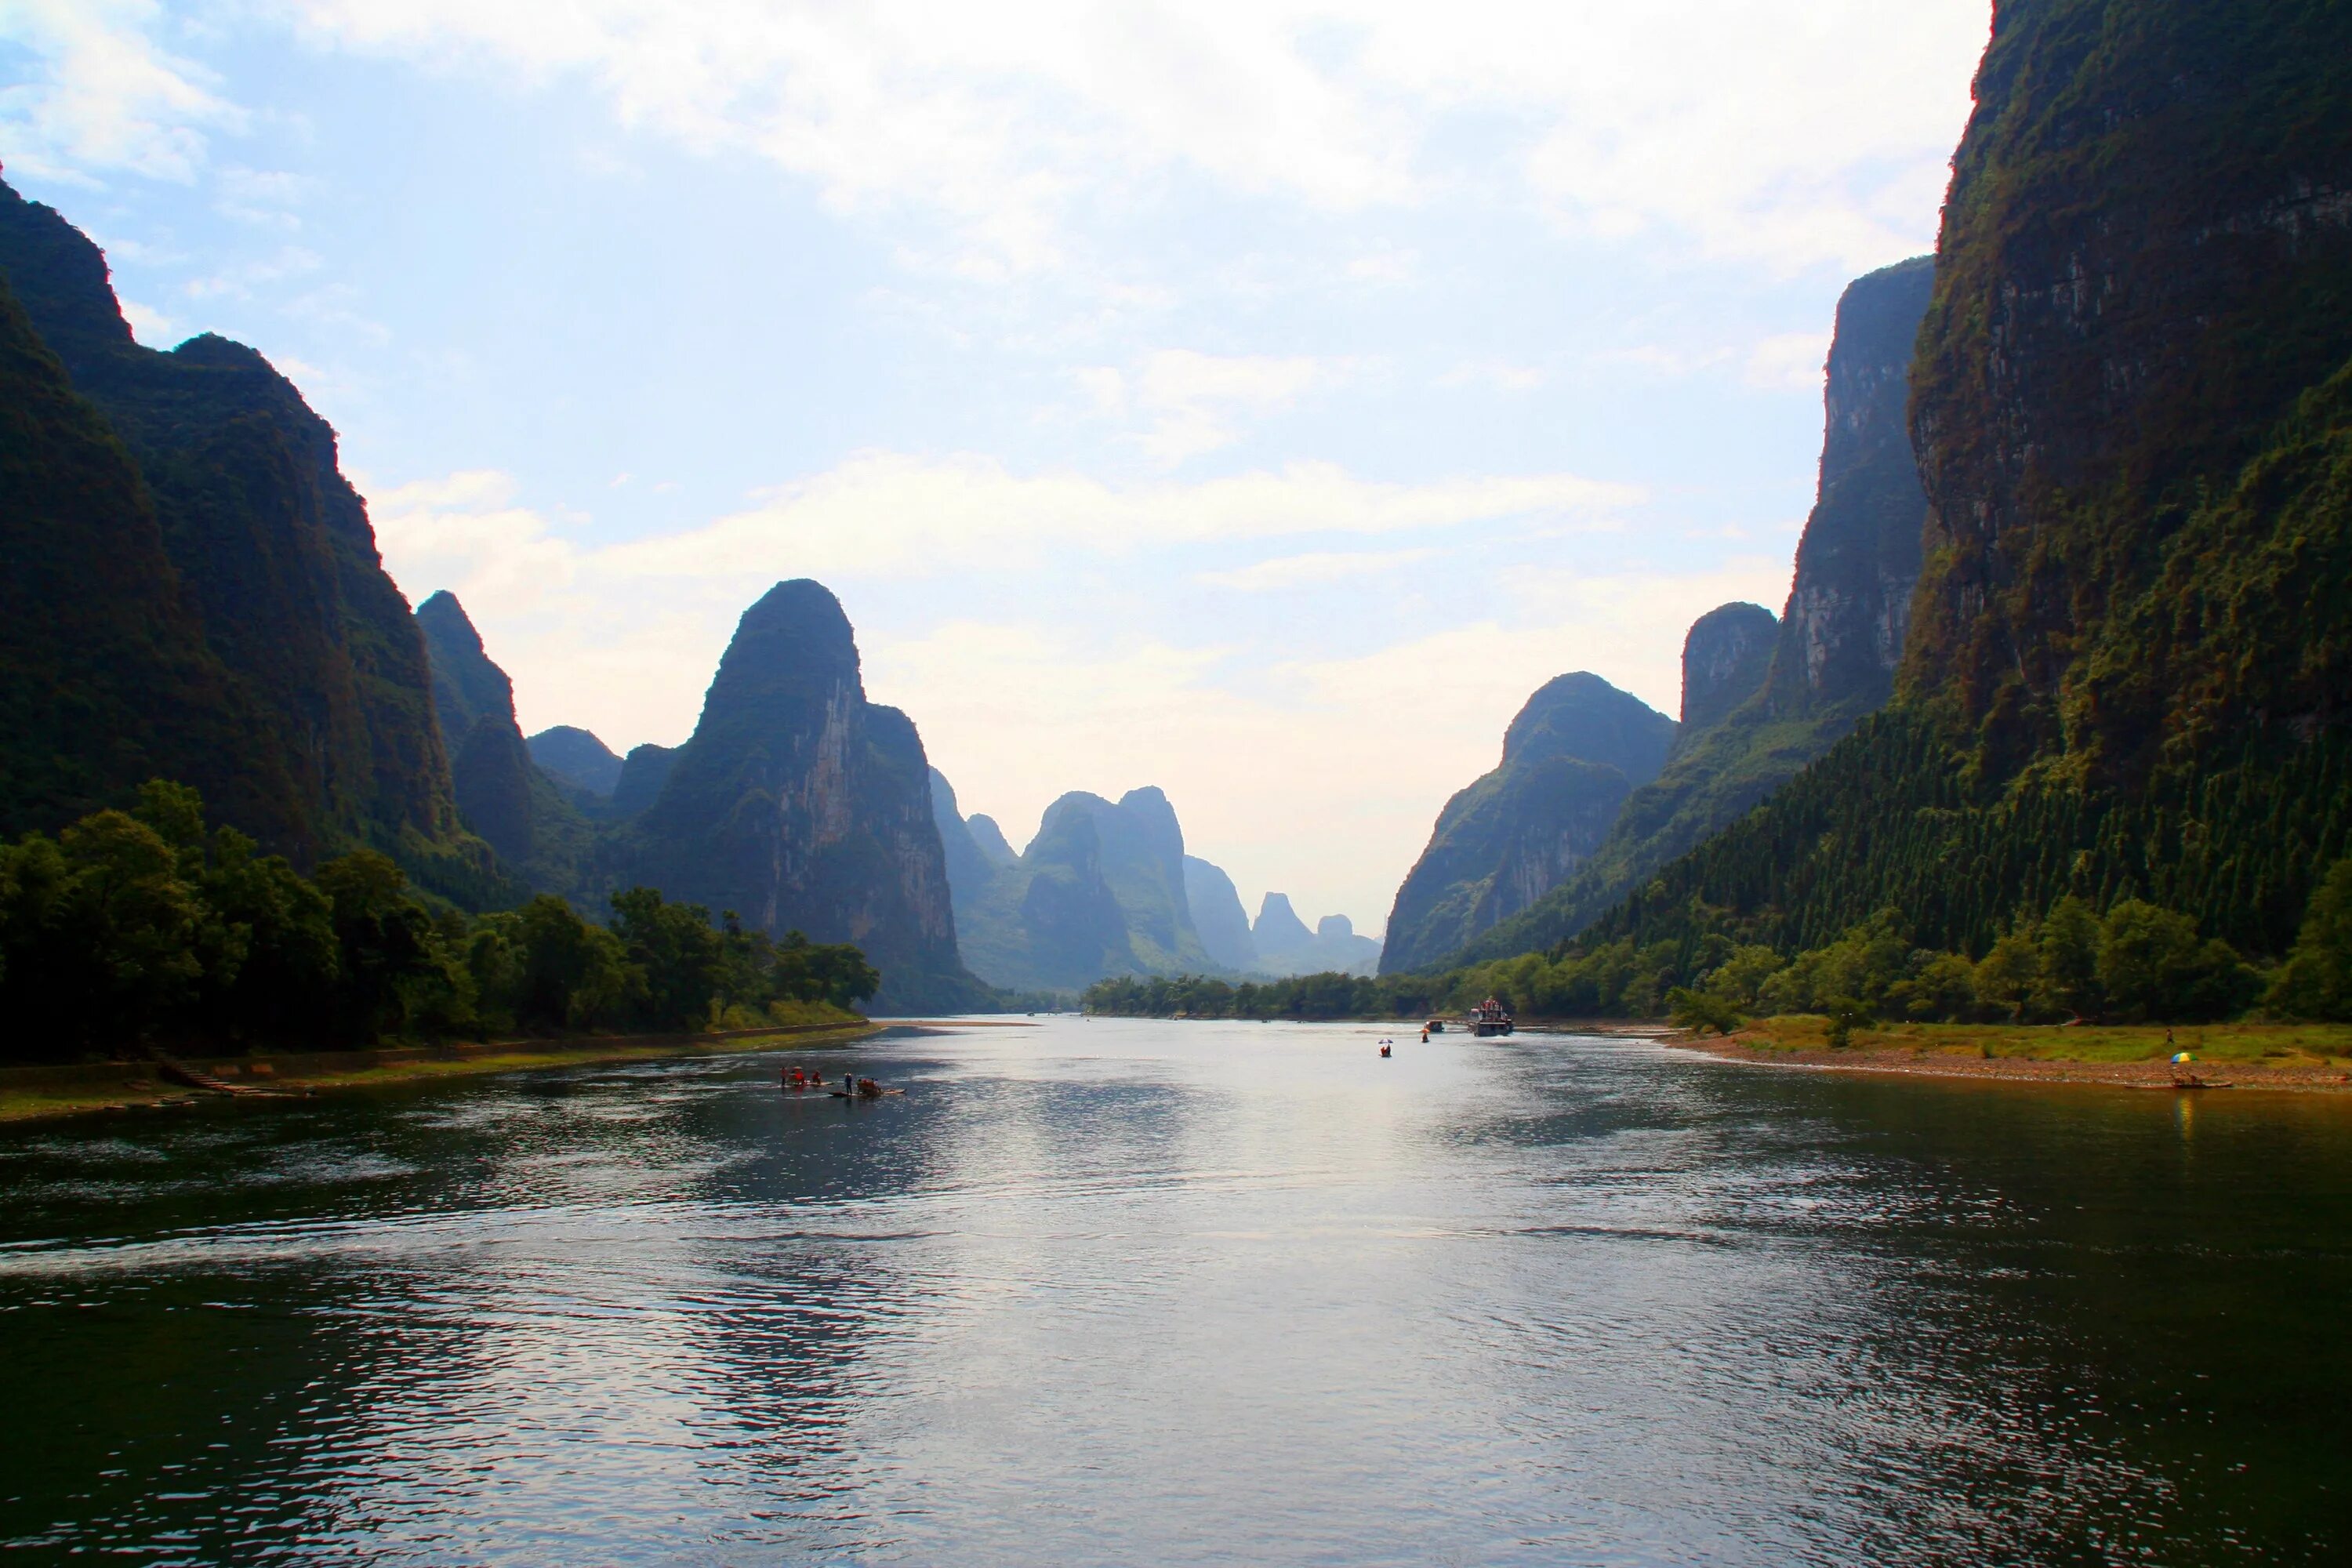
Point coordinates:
[[2274, 1045], [145, 929], [2137, 963]]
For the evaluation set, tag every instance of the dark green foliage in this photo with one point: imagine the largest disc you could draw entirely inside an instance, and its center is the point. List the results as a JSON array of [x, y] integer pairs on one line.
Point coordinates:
[[309, 723], [1570, 759], [144, 928], [2315, 982], [1697, 1010], [105, 675]]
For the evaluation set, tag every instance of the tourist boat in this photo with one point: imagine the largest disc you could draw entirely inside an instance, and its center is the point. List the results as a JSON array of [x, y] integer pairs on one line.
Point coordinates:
[[1489, 1017], [1435, 1026]]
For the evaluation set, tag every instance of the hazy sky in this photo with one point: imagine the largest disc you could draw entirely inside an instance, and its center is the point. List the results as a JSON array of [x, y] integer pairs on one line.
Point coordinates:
[[1255, 399]]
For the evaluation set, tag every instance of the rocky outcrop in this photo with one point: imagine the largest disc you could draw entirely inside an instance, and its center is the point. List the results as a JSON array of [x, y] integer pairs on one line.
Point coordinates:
[[1726, 655], [1100, 891], [802, 807], [1832, 655], [1574, 752], [1278, 928], [1332, 948], [275, 562], [502, 796], [969, 867], [990, 840], [1218, 916], [644, 772], [576, 759]]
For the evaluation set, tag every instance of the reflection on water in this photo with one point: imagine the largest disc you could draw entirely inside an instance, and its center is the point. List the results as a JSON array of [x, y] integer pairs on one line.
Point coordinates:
[[1117, 1293]]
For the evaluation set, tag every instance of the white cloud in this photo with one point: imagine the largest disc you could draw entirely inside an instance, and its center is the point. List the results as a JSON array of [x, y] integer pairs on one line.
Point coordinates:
[[1192, 403], [1758, 131], [150, 327], [1791, 361], [1304, 571], [884, 511], [104, 95]]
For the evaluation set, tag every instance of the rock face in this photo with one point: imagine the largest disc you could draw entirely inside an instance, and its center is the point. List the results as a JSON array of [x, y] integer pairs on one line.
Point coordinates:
[[1750, 723], [1218, 916], [802, 807], [502, 795], [576, 758], [277, 567], [2132, 402], [1570, 759]]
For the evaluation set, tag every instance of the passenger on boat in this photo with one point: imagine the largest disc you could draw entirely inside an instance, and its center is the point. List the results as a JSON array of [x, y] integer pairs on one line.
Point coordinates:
[[869, 1089]]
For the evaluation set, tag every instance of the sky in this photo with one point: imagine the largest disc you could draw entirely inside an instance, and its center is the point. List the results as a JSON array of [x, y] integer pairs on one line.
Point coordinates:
[[1256, 398]]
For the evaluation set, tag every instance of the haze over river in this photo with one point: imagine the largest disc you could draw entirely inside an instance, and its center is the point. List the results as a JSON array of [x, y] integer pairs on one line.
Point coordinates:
[[1185, 1292]]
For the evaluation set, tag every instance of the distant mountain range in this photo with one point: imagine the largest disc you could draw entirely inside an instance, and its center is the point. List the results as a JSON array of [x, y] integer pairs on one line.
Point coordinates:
[[1105, 889]]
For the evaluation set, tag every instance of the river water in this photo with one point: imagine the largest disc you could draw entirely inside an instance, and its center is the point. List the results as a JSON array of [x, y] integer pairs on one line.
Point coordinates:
[[1177, 1293]]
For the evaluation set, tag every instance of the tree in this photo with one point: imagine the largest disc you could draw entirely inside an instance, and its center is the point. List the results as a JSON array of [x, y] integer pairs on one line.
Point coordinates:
[[678, 955], [2316, 981], [1698, 1010], [383, 940], [2152, 964], [2067, 952]]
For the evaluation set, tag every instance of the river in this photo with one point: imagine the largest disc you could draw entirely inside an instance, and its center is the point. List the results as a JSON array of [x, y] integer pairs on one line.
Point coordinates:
[[1123, 1291]]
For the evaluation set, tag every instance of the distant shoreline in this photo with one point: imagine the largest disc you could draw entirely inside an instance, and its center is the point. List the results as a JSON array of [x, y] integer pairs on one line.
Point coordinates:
[[31, 1094]]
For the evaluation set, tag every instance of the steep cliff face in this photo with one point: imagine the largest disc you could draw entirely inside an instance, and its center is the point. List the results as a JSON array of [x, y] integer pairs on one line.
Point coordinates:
[[2148, 263], [577, 758], [2133, 408], [1834, 653], [276, 558], [1570, 759], [106, 679], [800, 806], [1218, 916]]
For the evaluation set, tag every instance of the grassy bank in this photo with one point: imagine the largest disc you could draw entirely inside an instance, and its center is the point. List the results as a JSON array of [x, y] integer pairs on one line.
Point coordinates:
[[2246, 1055], [39, 1092]]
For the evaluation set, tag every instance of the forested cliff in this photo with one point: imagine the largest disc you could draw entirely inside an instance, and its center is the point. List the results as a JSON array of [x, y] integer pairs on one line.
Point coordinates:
[[2132, 407]]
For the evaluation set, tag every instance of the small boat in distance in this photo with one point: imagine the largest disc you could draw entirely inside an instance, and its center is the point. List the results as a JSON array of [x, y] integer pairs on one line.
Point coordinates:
[[1489, 1017], [1435, 1026]]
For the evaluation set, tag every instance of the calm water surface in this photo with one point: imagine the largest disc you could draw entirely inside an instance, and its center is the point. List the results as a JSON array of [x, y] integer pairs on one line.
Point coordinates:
[[1137, 1292]]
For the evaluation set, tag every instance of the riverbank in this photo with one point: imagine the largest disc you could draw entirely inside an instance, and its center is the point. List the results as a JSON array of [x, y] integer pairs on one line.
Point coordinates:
[[36, 1093], [2311, 1058]]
